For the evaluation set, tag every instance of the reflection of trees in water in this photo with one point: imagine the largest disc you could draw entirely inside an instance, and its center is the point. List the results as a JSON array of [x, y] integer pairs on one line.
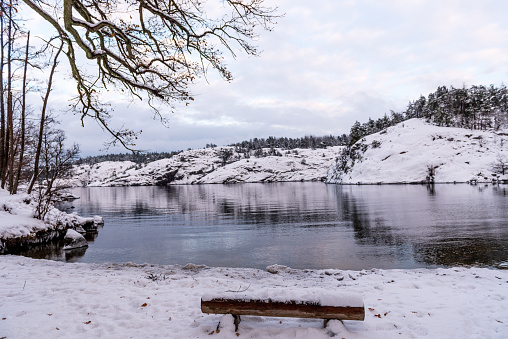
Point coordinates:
[[440, 246], [417, 223], [253, 203], [368, 230], [53, 250], [500, 190], [431, 188], [453, 252]]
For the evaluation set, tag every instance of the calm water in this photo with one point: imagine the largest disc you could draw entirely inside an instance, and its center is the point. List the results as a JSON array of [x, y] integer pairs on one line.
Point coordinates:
[[301, 225]]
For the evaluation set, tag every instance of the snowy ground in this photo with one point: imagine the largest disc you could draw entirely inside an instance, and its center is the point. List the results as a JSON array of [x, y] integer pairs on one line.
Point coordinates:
[[405, 152], [46, 299]]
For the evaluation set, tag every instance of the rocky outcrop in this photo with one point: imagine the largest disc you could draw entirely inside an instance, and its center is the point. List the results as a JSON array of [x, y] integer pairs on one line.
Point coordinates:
[[20, 231], [166, 178], [26, 242], [208, 166]]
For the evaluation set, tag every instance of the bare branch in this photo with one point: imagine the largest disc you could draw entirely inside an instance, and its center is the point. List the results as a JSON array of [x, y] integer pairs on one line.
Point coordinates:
[[149, 47]]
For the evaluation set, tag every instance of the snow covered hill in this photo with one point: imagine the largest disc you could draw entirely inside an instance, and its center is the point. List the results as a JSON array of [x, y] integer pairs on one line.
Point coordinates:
[[210, 165], [415, 151]]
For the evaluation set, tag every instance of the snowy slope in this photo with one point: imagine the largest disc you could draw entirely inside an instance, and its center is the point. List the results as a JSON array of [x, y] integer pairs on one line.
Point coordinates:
[[405, 152], [206, 166], [16, 216]]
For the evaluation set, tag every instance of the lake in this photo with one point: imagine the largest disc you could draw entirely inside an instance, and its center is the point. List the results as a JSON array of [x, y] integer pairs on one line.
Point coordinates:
[[300, 225]]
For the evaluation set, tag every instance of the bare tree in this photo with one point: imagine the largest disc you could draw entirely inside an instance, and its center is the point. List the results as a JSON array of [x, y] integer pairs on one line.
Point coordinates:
[[500, 166], [56, 164], [150, 48], [43, 121], [23, 124]]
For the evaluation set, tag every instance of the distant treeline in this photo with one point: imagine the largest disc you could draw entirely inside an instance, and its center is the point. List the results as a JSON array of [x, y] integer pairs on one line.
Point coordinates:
[[256, 145], [308, 141], [477, 107], [138, 158]]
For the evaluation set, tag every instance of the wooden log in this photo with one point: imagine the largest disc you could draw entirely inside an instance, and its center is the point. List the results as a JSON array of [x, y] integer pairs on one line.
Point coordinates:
[[293, 308]]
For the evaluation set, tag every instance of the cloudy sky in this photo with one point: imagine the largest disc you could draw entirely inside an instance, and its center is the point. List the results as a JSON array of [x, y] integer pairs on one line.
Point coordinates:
[[326, 64]]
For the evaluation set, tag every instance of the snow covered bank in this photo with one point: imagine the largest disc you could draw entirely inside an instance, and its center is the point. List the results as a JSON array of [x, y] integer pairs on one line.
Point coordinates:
[[411, 150], [209, 166], [46, 299], [19, 229]]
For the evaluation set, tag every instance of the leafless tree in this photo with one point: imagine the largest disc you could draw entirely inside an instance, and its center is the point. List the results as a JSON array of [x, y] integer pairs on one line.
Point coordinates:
[[43, 121], [500, 166], [149, 48], [56, 164]]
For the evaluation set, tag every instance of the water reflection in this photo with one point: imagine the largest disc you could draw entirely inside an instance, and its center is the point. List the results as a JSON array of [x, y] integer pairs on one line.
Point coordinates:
[[54, 251], [461, 225], [302, 225]]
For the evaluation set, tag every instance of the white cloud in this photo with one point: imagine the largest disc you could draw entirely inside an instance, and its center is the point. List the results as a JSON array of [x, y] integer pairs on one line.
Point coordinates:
[[329, 63]]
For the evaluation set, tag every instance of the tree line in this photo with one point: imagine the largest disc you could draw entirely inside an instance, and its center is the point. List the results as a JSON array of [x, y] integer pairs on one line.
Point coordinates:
[[137, 157], [253, 146], [308, 141], [477, 107]]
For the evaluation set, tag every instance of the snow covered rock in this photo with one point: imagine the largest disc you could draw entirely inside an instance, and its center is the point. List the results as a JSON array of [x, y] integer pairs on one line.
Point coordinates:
[[98, 220], [204, 166], [74, 240], [274, 269], [226, 323], [414, 151], [20, 230]]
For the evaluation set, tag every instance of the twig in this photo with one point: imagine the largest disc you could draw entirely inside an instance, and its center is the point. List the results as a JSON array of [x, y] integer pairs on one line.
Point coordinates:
[[239, 289]]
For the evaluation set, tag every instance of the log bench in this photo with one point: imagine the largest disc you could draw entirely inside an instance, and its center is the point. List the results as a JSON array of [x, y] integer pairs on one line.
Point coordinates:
[[325, 306]]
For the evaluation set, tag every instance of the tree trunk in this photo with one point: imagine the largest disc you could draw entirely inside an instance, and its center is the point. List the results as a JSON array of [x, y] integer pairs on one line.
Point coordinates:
[[43, 120], [10, 125], [23, 111], [3, 161]]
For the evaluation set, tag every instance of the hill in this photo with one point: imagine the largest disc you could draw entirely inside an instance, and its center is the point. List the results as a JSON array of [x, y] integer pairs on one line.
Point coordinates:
[[212, 165], [415, 151]]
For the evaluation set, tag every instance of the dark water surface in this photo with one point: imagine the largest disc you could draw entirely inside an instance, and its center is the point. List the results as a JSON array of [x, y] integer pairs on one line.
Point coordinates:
[[301, 225]]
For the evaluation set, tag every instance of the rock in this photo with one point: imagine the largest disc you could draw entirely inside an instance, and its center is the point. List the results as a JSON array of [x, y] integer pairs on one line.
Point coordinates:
[[74, 240], [205, 166], [88, 224], [79, 229], [274, 269], [98, 220]]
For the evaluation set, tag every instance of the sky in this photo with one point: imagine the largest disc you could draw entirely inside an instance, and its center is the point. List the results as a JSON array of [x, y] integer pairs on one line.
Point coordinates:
[[325, 65]]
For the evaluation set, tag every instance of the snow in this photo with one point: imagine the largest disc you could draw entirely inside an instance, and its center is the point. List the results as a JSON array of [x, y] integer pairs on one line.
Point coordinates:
[[408, 149], [314, 296], [205, 166], [74, 240], [16, 216], [47, 299], [17, 221]]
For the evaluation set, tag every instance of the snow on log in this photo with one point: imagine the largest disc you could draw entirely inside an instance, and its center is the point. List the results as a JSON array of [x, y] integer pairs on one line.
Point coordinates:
[[303, 304]]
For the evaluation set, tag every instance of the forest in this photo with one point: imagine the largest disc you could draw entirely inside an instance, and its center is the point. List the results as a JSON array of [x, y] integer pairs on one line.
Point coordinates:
[[477, 107]]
